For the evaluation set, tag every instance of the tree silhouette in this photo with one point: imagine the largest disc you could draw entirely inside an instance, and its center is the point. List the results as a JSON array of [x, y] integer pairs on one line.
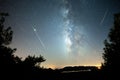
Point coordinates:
[[111, 53], [6, 53], [32, 61], [7, 58]]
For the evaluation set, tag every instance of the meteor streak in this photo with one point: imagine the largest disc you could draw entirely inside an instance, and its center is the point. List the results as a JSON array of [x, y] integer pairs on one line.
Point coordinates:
[[35, 31]]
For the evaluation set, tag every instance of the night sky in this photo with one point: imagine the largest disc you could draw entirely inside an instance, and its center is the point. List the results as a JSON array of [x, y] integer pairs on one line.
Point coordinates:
[[65, 32]]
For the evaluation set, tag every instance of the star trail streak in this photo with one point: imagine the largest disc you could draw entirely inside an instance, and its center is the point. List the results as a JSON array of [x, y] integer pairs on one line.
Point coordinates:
[[103, 18]]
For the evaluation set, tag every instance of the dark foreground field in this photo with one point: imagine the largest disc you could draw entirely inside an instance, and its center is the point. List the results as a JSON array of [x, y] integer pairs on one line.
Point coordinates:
[[81, 76], [49, 74]]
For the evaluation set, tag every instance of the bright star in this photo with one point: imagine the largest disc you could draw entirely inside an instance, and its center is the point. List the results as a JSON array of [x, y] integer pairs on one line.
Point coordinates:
[[34, 29]]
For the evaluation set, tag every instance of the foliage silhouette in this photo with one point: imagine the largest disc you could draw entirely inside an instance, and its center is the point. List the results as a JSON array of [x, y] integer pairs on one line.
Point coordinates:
[[33, 61], [111, 53], [7, 58], [6, 53]]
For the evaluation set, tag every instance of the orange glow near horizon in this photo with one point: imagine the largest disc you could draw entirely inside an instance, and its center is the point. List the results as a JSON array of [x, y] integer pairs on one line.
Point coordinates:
[[52, 66]]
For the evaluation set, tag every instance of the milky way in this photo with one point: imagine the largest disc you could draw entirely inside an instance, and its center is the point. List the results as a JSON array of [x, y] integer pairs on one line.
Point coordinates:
[[73, 34]]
